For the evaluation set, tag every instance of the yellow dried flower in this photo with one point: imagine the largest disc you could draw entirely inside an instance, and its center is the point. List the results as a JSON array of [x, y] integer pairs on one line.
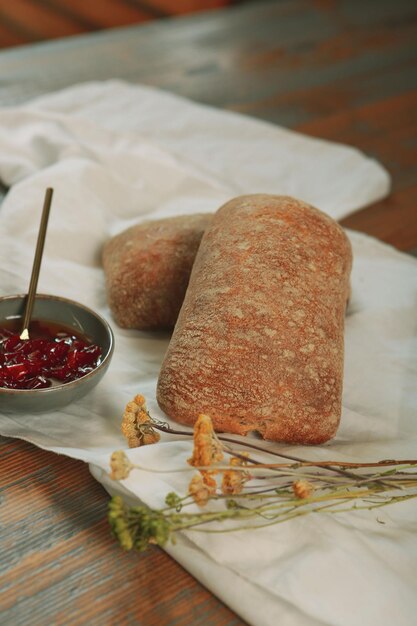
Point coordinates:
[[209, 480], [302, 488], [120, 465], [200, 490], [207, 448], [234, 480], [137, 424]]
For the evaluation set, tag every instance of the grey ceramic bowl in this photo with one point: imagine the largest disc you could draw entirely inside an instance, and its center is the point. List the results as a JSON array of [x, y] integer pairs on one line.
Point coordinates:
[[70, 314]]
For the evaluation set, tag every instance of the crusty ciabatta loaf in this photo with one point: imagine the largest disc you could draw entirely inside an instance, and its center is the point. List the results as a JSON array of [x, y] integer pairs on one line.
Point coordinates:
[[258, 344], [147, 270]]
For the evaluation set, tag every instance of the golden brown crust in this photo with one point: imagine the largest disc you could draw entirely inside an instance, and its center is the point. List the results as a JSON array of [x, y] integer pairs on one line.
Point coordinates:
[[147, 270], [259, 341]]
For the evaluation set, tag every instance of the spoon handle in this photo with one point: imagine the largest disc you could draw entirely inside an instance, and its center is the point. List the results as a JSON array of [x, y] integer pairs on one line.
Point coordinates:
[[36, 264]]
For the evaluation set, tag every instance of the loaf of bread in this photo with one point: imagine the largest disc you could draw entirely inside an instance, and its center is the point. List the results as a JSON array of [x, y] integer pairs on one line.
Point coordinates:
[[147, 269], [258, 345]]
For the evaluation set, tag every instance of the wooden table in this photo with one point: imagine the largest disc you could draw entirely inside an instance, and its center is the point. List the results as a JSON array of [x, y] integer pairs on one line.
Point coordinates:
[[345, 71]]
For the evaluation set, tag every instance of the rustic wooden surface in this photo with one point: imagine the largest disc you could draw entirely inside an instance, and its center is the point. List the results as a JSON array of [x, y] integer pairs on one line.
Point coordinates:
[[343, 70], [29, 21]]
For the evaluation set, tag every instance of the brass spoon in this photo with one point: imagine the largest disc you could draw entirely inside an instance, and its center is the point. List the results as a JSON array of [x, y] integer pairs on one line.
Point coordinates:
[[36, 264]]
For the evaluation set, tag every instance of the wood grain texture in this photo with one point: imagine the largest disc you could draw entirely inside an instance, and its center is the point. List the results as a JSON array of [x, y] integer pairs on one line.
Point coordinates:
[[60, 565], [29, 21], [345, 70], [342, 70]]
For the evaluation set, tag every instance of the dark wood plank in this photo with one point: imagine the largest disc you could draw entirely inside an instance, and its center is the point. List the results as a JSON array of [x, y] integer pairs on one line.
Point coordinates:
[[393, 220], [28, 21], [386, 130], [36, 20], [261, 52]]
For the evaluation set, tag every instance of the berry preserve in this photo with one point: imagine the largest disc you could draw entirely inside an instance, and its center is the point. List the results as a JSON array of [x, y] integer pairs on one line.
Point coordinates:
[[52, 356]]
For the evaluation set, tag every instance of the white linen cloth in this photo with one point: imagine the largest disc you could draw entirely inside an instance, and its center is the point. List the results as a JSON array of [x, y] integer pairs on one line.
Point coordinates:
[[117, 154]]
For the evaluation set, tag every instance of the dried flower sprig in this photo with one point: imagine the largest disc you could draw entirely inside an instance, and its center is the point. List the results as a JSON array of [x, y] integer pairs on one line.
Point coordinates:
[[277, 491], [137, 425], [207, 452]]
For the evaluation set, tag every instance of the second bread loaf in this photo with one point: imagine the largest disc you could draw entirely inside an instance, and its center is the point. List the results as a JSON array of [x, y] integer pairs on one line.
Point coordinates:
[[147, 270]]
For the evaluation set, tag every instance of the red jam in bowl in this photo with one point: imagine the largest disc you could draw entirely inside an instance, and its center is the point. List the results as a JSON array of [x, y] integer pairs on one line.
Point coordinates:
[[53, 355]]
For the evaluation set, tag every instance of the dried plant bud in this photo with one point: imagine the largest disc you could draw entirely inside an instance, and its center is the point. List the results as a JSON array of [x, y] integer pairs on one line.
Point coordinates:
[[137, 424], [207, 447], [234, 480], [119, 525], [207, 450], [120, 465], [174, 501], [200, 490], [302, 488], [137, 527], [209, 480]]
